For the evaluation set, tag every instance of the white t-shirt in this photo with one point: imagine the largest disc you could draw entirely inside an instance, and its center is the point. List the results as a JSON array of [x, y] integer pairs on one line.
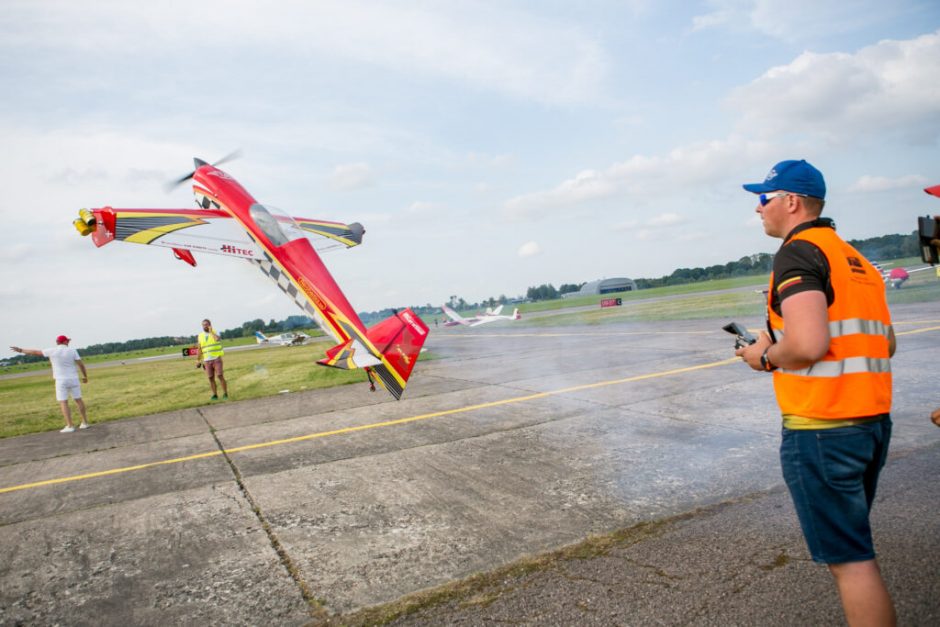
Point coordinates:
[[63, 361]]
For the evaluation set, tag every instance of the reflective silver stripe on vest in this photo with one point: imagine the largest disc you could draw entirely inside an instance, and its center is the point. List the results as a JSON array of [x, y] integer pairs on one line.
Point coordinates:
[[850, 365], [853, 326]]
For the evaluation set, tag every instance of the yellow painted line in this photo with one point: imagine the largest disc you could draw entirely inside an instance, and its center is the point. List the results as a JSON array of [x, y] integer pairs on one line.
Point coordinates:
[[389, 423], [918, 331], [375, 425]]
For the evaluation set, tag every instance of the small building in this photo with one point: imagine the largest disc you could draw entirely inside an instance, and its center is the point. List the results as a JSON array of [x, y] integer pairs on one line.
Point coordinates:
[[605, 286]]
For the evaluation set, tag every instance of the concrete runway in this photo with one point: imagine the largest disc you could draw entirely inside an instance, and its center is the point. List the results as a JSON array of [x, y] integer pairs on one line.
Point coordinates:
[[298, 508]]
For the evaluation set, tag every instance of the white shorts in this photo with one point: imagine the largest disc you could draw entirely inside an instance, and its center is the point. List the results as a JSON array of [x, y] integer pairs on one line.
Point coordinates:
[[66, 387]]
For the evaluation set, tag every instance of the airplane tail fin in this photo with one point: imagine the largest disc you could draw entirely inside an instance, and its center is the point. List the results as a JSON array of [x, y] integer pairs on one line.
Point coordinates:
[[397, 339], [515, 314], [260, 337]]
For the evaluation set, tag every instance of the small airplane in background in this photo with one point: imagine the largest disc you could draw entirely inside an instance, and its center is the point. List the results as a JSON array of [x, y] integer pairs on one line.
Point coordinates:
[[228, 221], [284, 339], [895, 277], [490, 315]]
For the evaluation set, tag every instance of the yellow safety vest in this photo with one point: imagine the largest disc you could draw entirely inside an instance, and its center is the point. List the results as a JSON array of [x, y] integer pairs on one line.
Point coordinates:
[[211, 348], [853, 379]]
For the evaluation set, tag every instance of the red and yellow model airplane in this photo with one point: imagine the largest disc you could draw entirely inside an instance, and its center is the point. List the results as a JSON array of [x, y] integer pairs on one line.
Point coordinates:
[[230, 222]]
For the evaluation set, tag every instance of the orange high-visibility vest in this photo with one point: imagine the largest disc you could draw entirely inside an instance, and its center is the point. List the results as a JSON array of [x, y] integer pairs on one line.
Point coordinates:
[[853, 379]]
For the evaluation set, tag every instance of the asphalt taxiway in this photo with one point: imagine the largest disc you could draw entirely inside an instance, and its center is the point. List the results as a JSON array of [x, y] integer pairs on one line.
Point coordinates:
[[518, 440]]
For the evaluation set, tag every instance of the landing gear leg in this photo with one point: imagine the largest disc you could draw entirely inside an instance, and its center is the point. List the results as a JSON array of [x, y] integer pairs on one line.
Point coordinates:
[[371, 382]]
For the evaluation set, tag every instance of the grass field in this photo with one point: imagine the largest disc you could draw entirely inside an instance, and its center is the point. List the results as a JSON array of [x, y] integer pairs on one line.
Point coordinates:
[[147, 352], [114, 391], [119, 391]]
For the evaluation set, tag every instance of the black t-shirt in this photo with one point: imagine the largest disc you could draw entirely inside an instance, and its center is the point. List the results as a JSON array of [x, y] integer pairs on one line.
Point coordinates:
[[800, 266]]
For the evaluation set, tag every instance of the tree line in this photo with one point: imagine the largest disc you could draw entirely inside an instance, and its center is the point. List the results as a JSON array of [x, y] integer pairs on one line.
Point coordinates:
[[883, 247], [879, 248]]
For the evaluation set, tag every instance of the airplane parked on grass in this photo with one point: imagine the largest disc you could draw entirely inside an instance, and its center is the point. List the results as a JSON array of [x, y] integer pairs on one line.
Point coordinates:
[[475, 321], [284, 339], [230, 222]]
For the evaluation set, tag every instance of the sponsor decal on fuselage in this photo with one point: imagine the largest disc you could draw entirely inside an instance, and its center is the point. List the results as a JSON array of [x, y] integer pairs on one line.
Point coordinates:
[[410, 319], [234, 250]]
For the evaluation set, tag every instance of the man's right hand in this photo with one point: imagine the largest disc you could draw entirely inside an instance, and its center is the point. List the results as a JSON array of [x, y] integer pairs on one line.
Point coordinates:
[[935, 417]]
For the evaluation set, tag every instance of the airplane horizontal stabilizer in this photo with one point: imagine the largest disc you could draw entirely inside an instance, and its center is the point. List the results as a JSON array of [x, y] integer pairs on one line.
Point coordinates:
[[340, 356]]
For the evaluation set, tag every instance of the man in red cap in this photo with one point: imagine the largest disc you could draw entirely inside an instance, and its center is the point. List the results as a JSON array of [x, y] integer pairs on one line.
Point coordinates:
[[65, 363]]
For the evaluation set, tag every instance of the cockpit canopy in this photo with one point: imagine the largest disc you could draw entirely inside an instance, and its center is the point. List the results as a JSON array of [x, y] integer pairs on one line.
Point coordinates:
[[279, 227]]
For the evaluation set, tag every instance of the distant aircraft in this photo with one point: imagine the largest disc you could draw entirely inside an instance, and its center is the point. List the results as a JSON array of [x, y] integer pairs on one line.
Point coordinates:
[[475, 321], [284, 339], [895, 277], [228, 221]]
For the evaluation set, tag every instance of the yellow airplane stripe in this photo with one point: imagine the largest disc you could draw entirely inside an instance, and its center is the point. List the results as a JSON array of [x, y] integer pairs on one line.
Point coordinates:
[[374, 425], [147, 236]]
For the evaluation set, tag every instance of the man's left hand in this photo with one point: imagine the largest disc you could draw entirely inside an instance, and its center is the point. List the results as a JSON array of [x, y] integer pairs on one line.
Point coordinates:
[[751, 354]]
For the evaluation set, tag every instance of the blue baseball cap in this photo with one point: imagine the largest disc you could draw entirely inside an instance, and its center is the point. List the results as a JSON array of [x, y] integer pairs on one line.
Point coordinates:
[[798, 177]]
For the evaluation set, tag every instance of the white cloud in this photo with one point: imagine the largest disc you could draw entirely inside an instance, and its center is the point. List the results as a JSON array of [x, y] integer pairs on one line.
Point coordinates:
[[641, 176], [792, 20], [529, 249], [490, 46], [664, 220], [351, 176], [870, 183], [845, 98], [662, 227], [711, 20]]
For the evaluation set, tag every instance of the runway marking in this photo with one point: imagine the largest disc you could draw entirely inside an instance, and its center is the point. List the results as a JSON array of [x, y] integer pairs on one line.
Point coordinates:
[[389, 423], [375, 425], [918, 331]]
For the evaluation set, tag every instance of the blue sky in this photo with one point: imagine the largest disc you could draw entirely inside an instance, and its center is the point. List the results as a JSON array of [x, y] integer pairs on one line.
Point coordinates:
[[485, 146]]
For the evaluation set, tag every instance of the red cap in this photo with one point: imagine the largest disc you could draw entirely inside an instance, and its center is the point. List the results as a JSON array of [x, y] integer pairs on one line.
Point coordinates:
[[62, 339]]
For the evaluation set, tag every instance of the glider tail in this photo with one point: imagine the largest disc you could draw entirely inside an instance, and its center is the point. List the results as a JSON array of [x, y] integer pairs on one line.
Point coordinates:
[[260, 337], [399, 339]]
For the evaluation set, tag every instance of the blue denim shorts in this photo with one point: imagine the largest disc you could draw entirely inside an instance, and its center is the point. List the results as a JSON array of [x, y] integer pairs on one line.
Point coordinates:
[[832, 475]]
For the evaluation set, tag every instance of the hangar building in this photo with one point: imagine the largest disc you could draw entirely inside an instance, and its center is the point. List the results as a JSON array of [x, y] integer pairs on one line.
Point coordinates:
[[606, 286]]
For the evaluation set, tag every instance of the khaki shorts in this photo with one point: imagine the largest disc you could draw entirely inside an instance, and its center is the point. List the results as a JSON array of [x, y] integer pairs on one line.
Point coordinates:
[[213, 367]]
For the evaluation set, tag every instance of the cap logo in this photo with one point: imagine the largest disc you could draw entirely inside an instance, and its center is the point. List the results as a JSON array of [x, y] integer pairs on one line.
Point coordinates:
[[771, 175]]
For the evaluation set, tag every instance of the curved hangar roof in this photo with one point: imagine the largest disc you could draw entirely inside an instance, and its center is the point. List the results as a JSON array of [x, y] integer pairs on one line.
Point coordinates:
[[608, 286]]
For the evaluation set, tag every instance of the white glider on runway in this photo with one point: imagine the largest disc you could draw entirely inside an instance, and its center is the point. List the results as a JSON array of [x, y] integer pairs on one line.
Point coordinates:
[[475, 321]]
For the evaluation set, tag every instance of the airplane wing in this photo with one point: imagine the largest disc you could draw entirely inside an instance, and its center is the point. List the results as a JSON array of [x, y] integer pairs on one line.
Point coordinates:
[[453, 315], [496, 311], [199, 230], [348, 235], [485, 320]]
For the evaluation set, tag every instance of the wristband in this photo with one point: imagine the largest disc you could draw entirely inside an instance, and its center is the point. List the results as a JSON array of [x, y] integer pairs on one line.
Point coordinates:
[[765, 362]]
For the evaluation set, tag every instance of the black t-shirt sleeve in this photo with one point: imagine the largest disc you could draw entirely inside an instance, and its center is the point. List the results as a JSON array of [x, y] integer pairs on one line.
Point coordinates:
[[800, 266]]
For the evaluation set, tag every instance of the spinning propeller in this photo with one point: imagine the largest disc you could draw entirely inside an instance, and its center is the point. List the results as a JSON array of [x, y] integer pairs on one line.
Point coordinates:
[[199, 163]]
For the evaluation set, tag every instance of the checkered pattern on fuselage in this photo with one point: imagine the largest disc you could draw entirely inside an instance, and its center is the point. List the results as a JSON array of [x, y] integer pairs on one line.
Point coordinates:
[[270, 270]]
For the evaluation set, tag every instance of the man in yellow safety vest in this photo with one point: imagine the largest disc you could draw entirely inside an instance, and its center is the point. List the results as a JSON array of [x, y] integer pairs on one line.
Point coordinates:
[[210, 358]]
